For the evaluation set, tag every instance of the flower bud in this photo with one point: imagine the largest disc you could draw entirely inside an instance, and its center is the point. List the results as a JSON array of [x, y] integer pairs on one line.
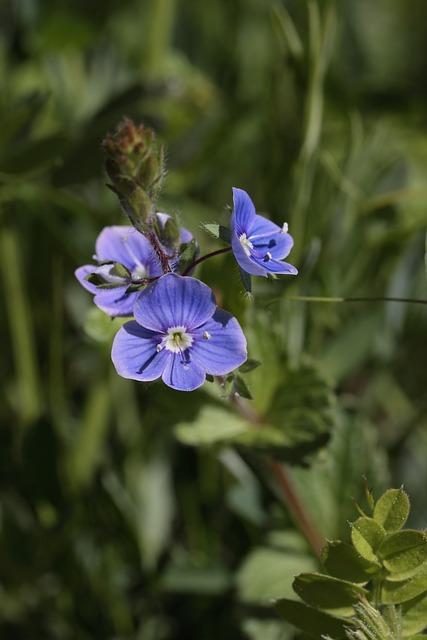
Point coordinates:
[[135, 166]]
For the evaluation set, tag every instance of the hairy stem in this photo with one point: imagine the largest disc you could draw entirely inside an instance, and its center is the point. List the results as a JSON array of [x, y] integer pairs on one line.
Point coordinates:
[[205, 257], [285, 483], [154, 241]]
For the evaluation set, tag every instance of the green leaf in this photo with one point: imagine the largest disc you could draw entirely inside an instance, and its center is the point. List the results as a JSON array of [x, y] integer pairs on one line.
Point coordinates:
[[414, 615], [366, 536], [213, 426], [218, 231], [267, 574], [241, 388], [101, 327], [188, 252], [119, 270], [302, 407], [342, 561], [403, 552], [249, 365], [328, 593], [392, 509], [311, 621], [246, 281], [398, 592]]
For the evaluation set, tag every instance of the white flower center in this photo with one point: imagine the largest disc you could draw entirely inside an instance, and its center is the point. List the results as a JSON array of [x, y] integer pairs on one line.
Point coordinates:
[[177, 339], [246, 244], [139, 272]]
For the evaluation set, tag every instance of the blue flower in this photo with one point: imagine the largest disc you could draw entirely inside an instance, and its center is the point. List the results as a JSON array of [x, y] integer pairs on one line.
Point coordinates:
[[258, 244], [116, 292], [179, 335]]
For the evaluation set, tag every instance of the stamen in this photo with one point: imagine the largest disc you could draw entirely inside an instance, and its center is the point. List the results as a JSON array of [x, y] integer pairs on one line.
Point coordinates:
[[246, 244], [285, 227], [177, 339], [267, 256], [206, 335], [159, 347]]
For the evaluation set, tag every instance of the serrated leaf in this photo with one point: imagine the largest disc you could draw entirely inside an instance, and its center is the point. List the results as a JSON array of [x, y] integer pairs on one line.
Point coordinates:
[[267, 574], [403, 552], [342, 561], [398, 592], [311, 621], [302, 406], [328, 593], [392, 509], [366, 536], [414, 615]]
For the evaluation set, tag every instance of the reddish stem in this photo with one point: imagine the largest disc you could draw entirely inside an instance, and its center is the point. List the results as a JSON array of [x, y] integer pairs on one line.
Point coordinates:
[[205, 257], [284, 480]]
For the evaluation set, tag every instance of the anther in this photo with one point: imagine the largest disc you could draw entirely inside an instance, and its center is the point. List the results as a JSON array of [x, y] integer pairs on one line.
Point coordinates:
[[285, 227], [206, 335]]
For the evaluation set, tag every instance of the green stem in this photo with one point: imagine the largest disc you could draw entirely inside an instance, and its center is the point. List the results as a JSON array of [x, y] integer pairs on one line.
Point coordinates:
[[21, 328], [357, 299]]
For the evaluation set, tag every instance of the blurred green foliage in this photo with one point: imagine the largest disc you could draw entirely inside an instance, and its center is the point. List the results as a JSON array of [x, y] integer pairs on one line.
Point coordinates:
[[110, 526]]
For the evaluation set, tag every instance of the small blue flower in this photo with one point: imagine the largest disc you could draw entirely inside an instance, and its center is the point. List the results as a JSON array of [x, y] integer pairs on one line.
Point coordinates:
[[179, 335], [127, 247], [124, 245], [258, 244]]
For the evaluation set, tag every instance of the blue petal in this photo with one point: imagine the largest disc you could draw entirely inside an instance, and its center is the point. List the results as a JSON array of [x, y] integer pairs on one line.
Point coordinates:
[[267, 235], [225, 349], [81, 274], [276, 266], [244, 261], [116, 302], [129, 247], [182, 373], [134, 353], [174, 301], [243, 214]]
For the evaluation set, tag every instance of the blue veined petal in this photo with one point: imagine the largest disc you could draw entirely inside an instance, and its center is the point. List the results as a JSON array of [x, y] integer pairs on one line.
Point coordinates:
[[277, 266], [219, 346], [243, 214], [134, 353], [267, 235], [81, 273], [244, 261], [278, 246], [183, 373], [129, 247], [174, 300], [263, 227], [116, 302]]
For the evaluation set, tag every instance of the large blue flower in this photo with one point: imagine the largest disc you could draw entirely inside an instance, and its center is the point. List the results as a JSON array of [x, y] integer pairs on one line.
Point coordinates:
[[258, 244], [179, 335], [116, 293]]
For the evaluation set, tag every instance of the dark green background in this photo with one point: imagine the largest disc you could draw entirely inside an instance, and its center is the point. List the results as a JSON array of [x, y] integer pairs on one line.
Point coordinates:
[[111, 528]]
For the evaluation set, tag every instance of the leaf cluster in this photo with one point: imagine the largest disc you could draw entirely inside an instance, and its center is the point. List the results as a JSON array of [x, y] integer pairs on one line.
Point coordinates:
[[382, 570]]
